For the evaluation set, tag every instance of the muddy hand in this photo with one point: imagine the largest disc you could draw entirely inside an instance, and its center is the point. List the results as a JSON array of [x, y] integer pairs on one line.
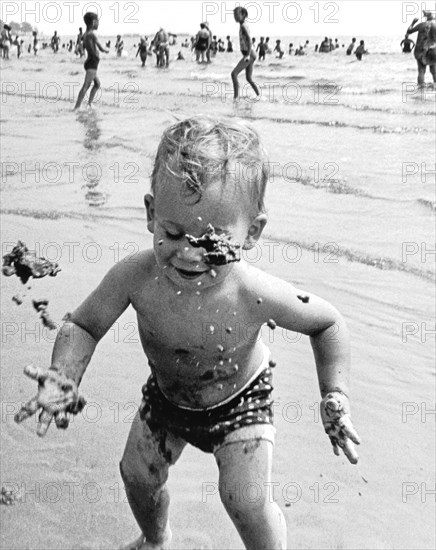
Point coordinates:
[[57, 399], [335, 415]]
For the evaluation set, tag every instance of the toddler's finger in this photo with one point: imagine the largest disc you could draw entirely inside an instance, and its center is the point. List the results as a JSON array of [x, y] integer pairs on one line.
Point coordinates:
[[350, 451], [335, 446], [62, 420], [45, 419], [36, 373], [77, 406], [333, 405], [27, 410], [348, 429]]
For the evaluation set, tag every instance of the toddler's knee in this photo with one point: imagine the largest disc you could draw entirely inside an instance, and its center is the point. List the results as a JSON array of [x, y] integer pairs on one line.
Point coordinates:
[[145, 474], [242, 502]]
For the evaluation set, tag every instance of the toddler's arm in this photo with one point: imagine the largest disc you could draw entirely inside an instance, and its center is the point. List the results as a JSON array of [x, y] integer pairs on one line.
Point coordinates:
[[57, 395], [299, 311]]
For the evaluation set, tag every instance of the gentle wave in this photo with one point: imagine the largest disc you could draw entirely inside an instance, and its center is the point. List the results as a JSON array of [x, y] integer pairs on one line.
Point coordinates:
[[338, 124], [337, 186], [58, 215], [378, 262]]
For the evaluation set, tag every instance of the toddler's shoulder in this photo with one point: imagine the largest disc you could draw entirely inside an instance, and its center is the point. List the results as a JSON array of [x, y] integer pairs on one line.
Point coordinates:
[[139, 265], [261, 283]]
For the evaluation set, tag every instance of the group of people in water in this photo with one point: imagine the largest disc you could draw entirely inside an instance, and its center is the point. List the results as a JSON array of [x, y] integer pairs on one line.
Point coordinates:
[[206, 45]]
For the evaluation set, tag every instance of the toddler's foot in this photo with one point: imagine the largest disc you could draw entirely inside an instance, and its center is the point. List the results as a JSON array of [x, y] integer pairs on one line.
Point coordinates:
[[142, 544]]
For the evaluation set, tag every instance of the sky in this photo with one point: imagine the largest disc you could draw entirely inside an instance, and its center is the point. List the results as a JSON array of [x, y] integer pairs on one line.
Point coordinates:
[[277, 18]]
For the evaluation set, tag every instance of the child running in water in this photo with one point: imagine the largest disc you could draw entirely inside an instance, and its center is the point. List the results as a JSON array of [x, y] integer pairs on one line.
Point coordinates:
[[92, 46], [208, 387], [249, 57]]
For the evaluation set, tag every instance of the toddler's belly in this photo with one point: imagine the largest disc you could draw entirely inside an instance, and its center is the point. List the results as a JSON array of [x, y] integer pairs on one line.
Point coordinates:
[[195, 380]]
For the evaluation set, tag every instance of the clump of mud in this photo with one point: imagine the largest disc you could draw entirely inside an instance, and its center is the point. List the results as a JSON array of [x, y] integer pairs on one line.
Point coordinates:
[[219, 248], [24, 264]]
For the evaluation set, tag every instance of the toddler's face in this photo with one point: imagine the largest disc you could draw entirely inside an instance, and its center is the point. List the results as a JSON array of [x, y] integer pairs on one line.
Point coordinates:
[[172, 214]]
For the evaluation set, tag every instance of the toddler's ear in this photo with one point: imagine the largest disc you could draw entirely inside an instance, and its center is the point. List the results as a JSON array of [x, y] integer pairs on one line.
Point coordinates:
[[149, 206], [255, 231]]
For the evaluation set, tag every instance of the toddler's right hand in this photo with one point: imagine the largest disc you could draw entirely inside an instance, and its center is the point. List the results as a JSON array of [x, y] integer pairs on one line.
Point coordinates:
[[57, 398]]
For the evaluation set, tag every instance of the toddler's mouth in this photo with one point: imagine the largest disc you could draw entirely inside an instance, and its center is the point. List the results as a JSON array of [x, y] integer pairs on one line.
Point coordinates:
[[188, 274]]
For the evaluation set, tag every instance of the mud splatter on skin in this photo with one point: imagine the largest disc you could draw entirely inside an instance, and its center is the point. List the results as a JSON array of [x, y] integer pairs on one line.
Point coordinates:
[[24, 264], [251, 446], [272, 324], [219, 248], [304, 299], [181, 351]]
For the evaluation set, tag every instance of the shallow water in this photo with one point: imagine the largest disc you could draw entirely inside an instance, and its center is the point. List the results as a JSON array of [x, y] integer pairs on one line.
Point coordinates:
[[348, 219]]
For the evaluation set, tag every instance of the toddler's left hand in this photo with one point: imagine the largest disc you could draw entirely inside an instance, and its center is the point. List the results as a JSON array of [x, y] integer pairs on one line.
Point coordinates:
[[335, 415]]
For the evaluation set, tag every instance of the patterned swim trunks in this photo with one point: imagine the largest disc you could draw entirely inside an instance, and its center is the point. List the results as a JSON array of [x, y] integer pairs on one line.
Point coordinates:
[[207, 429]]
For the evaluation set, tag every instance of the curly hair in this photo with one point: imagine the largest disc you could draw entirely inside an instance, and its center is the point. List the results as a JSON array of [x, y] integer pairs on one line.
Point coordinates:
[[200, 149]]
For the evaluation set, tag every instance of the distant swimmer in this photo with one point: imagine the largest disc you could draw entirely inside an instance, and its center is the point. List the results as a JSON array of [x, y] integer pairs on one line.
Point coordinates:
[[180, 57], [214, 46], [351, 47], [291, 48], [162, 48], [208, 51], [248, 56], [79, 44], [55, 39], [360, 50], [35, 42], [6, 40], [278, 49], [407, 44], [143, 51], [229, 45], [119, 46], [92, 46], [325, 46], [202, 43], [262, 48], [425, 49]]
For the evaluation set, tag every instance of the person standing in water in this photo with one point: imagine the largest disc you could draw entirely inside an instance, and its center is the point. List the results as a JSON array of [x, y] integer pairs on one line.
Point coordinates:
[[351, 47], [407, 44], [240, 14], [143, 51], [92, 46], [425, 49]]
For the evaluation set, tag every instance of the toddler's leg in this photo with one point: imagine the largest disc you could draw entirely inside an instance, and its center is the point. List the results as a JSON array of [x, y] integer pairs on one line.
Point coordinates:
[[245, 470], [144, 469]]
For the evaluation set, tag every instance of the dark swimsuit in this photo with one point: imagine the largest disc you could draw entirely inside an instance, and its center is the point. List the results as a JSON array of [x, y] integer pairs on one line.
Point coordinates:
[[202, 44], [91, 63], [207, 429]]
